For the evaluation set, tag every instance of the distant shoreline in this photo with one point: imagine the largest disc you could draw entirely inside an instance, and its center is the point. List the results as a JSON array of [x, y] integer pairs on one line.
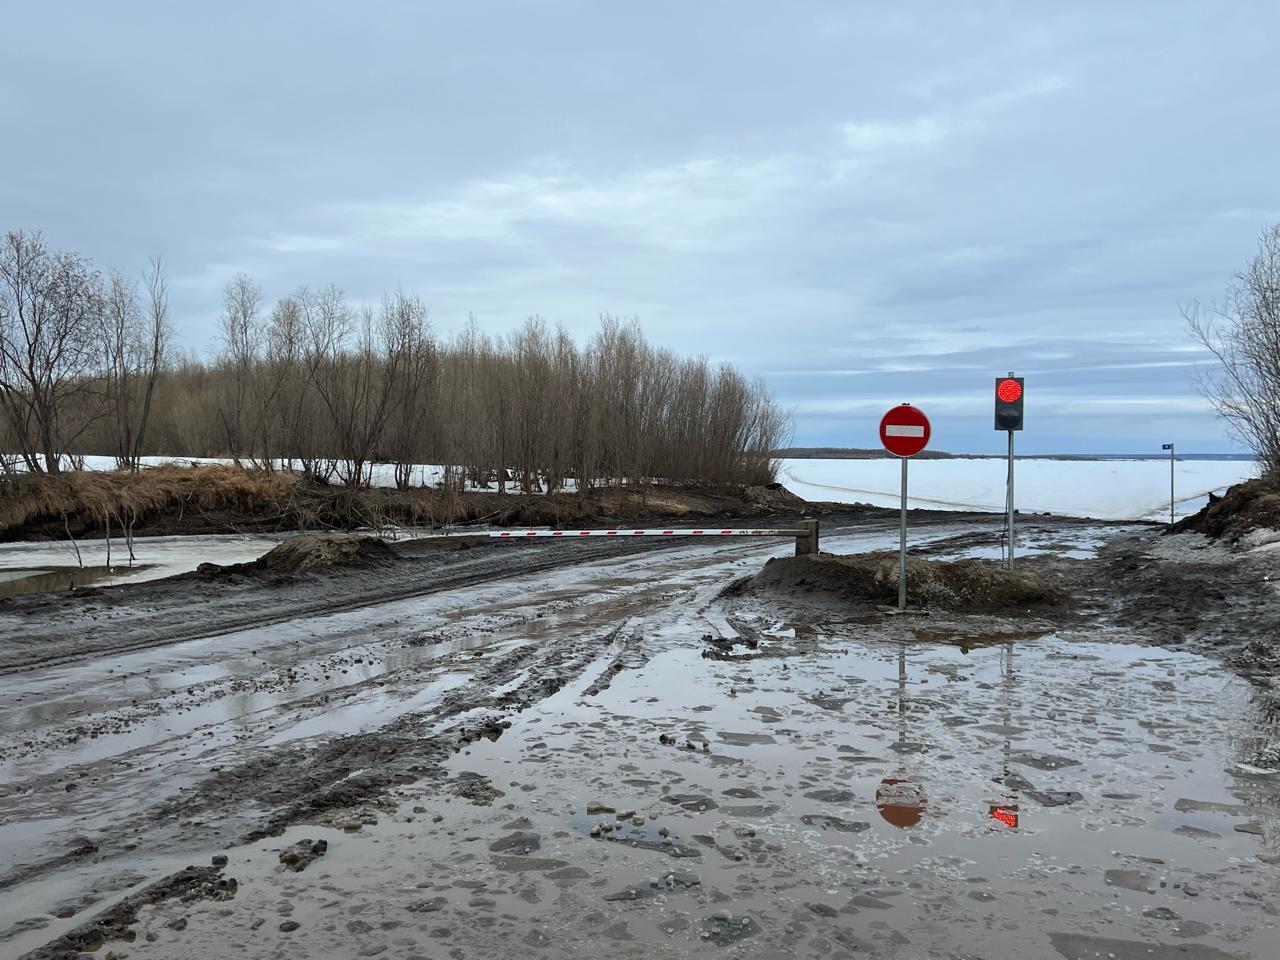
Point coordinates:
[[865, 453]]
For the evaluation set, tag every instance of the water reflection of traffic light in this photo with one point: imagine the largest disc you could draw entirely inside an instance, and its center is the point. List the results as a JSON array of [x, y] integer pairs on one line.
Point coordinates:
[[1005, 810], [901, 800], [1008, 815]]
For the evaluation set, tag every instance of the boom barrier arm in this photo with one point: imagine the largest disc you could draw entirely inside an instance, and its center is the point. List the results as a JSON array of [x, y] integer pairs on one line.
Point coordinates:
[[805, 532]]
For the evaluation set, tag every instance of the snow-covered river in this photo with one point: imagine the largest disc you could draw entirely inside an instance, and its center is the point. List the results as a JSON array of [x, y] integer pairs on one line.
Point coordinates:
[[1105, 489]]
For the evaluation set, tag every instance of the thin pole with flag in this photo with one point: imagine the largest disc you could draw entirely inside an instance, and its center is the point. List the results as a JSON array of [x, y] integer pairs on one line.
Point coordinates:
[[1169, 447]]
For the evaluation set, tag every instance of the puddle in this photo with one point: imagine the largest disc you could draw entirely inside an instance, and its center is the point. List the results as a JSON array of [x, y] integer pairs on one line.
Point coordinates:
[[15, 583], [1081, 544], [973, 798], [160, 556]]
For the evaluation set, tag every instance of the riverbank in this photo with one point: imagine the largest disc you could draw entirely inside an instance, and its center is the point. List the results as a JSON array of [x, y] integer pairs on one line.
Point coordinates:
[[222, 499]]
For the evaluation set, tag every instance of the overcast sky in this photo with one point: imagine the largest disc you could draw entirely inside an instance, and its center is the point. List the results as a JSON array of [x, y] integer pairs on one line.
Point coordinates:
[[863, 203]]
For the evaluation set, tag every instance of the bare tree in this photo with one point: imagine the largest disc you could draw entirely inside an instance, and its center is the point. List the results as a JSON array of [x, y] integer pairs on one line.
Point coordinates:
[[157, 334], [1243, 333], [410, 350], [50, 305], [531, 412], [242, 335], [477, 423], [135, 339], [327, 323], [289, 436], [357, 382]]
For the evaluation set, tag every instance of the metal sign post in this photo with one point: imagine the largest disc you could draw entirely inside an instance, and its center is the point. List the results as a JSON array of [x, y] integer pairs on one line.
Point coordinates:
[[904, 432], [902, 541], [1169, 447], [1009, 401], [1009, 501]]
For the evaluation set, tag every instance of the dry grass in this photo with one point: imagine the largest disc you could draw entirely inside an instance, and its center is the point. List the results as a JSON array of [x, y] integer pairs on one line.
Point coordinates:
[[123, 499], [206, 499]]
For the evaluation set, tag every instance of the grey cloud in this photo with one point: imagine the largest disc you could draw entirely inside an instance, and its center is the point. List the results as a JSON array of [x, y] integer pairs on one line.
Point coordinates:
[[926, 195]]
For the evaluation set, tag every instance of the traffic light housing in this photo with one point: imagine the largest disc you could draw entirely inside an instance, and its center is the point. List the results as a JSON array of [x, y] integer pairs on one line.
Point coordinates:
[[1009, 399]]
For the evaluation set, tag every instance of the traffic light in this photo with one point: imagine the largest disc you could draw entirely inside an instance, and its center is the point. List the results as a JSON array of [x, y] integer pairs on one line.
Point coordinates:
[[1009, 399]]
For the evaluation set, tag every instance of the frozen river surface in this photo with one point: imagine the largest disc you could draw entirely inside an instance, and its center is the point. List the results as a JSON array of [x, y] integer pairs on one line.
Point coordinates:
[[1103, 489]]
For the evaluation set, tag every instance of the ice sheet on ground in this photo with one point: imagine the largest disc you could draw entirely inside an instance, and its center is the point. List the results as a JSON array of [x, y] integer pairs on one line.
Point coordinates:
[[156, 557], [161, 556]]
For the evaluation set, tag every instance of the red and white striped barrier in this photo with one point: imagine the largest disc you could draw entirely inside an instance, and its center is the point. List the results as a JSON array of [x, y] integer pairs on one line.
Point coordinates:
[[518, 534], [806, 534]]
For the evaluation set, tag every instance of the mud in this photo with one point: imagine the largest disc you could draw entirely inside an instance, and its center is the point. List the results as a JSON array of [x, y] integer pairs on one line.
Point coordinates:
[[116, 924], [504, 750], [44, 630], [1186, 592]]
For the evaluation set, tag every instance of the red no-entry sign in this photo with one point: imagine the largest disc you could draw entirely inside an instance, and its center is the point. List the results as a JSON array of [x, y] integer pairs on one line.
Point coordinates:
[[904, 430]]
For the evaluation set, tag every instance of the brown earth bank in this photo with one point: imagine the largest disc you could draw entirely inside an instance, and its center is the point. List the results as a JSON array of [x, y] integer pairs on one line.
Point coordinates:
[[228, 499], [1245, 507]]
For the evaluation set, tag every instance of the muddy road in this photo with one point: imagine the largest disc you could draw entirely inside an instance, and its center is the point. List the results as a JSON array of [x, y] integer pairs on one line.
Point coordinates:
[[571, 750]]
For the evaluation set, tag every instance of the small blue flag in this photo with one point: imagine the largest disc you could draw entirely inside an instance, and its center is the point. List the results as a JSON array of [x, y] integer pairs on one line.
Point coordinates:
[[1166, 446]]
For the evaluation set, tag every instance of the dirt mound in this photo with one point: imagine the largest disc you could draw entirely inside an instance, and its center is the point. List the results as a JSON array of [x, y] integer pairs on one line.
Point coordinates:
[[774, 495], [642, 504], [871, 579], [310, 551], [1252, 505], [323, 550]]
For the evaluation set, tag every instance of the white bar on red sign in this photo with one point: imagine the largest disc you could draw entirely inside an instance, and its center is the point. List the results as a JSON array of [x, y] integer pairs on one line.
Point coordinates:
[[517, 534], [903, 430]]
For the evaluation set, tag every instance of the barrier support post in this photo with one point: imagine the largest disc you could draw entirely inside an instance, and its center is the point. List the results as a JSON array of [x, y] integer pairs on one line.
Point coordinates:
[[806, 538]]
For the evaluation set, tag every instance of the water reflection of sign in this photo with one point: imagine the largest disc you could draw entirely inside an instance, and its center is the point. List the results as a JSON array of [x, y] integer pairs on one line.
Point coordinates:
[[1007, 815], [900, 802]]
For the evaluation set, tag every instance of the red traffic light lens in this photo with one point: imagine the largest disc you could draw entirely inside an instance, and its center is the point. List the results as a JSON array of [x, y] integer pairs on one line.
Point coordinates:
[[1008, 391]]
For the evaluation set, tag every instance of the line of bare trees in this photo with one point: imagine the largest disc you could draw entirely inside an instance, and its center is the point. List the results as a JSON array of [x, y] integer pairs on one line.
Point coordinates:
[[316, 384]]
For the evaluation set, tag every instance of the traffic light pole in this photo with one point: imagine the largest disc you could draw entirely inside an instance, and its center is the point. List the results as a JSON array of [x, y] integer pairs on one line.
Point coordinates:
[[1009, 501]]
